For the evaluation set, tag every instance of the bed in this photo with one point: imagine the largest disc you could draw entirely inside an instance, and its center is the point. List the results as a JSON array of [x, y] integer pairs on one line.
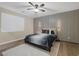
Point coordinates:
[[41, 40]]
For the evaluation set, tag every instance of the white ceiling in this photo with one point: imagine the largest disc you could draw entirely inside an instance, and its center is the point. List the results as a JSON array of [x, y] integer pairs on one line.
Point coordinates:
[[55, 7]]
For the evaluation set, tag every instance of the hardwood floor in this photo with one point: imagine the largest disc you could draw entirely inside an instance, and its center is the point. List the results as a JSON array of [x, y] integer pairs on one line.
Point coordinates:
[[55, 49], [60, 48], [68, 49], [10, 45]]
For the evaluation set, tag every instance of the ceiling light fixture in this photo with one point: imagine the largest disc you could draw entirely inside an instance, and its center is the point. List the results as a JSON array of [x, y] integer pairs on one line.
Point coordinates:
[[36, 10]]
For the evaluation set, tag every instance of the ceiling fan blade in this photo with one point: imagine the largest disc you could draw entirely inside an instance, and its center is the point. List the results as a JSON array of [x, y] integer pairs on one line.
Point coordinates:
[[49, 9], [30, 8], [42, 10], [31, 4], [42, 5]]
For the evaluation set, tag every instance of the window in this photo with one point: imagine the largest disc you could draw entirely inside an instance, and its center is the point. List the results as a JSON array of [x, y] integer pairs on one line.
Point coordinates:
[[11, 23]]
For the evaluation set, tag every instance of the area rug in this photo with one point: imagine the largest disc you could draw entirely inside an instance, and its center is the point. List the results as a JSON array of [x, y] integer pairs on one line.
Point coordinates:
[[25, 50]]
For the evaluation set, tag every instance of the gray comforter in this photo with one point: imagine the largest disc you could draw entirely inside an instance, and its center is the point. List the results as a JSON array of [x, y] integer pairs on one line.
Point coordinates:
[[44, 40]]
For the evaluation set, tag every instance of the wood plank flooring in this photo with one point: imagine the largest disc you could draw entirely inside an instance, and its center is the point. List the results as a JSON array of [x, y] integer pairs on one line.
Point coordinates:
[[68, 49], [59, 48]]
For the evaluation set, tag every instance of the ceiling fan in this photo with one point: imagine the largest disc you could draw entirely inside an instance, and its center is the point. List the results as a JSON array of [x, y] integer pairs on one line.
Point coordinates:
[[36, 7]]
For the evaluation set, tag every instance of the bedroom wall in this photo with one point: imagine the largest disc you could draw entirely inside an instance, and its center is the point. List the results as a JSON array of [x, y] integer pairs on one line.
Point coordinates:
[[10, 36], [66, 25]]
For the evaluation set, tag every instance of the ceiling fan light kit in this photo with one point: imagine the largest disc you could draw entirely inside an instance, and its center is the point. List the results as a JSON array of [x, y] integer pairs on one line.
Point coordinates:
[[36, 10]]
